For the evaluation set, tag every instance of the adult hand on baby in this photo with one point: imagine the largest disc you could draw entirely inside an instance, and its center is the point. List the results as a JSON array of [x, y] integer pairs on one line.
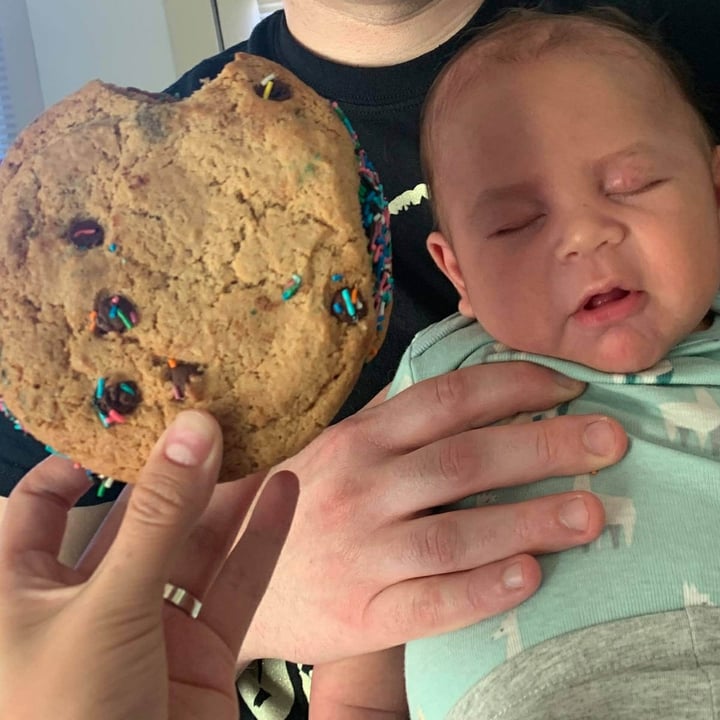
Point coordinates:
[[97, 641], [369, 564]]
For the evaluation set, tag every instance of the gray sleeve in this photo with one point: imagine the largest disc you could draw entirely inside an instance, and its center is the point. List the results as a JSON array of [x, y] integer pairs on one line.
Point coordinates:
[[664, 666]]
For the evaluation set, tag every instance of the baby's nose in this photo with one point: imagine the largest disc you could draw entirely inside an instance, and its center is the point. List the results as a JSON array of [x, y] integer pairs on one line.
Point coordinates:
[[586, 233]]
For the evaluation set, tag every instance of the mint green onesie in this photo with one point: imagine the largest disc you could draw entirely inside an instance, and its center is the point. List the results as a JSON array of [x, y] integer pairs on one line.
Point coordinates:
[[659, 551]]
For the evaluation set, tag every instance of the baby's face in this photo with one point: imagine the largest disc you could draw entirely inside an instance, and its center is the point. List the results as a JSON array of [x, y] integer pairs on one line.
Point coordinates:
[[579, 195]]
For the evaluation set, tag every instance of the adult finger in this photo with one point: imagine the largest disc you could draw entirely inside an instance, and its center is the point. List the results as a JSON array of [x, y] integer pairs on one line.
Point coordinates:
[[207, 547], [501, 456], [463, 399], [463, 539], [208, 543], [171, 493], [105, 535], [442, 603], [37, 509], [246, 574]]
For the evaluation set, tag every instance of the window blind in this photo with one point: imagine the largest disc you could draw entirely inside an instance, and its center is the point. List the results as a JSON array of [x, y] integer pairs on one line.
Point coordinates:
[[267, 7], [8, 125]]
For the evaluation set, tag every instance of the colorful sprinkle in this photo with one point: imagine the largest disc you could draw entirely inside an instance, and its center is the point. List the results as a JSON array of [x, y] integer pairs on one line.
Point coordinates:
[[115, 417], [124, 320], [50, 450], [337, 277], [292, 287], [270, 88], [103, 418], [375, 216], [349, 306], [105, 483], [6, 412]]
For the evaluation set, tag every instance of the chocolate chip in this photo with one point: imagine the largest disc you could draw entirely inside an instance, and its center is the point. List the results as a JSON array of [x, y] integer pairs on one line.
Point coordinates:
[[86, 234], [113, 313], [122, 396], [181, 374], [279, 91], [348, 305]]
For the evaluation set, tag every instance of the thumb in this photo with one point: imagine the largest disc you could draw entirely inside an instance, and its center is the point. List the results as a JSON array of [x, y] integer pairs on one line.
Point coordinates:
[[171, 493]]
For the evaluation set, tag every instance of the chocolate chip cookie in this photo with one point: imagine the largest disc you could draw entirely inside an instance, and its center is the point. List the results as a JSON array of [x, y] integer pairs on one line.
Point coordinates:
[[229, 251]]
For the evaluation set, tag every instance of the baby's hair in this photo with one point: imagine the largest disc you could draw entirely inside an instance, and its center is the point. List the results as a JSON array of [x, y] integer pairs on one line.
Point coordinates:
[[523, 35]]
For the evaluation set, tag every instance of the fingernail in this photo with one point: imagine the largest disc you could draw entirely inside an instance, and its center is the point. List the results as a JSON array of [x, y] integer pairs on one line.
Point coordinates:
[[574, 515], [599, 438], [189, 439], [569, 383], [512, 578]]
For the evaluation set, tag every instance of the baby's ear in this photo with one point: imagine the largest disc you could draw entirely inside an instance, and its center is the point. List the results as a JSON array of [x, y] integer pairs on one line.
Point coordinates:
[[442, 253]]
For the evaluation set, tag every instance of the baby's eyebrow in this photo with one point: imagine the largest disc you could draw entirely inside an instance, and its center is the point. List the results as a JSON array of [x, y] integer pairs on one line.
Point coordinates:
[[520, 191], [527, 189], [639, 149]]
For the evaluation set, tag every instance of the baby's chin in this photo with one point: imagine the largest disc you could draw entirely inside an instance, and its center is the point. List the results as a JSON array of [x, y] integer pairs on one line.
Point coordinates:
[[625, 359], [622, 353]]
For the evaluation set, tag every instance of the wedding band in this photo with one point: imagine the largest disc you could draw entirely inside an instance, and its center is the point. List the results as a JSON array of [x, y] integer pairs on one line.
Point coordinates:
[[182, 599]]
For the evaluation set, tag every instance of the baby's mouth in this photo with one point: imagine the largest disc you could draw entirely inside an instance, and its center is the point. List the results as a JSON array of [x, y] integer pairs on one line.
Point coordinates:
[[601, 299]]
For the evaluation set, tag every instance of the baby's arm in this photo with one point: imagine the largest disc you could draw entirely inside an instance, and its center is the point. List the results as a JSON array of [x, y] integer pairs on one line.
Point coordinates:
[[366, 687]]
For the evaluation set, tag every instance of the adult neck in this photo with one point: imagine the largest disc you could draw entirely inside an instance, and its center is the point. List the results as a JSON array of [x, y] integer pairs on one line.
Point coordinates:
[[376, 32]]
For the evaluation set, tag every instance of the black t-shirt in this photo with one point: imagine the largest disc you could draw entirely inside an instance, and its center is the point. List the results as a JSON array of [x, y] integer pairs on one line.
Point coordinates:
[[383, 104]]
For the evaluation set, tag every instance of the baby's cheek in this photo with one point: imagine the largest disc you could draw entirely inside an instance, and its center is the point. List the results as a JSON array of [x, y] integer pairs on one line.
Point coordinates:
[[511, 316]]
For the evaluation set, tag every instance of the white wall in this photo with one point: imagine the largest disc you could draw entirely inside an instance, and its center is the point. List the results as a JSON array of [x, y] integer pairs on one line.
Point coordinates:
[[238, 18], [19, 56], [53, 47], [193, 35], [121, 41]]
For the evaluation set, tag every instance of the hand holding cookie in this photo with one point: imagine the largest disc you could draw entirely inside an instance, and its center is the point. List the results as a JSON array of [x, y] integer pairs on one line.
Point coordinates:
[[97, 641]]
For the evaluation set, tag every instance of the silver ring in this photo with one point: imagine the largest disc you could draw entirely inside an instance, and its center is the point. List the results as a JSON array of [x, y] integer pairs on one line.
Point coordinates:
[[182, 599]]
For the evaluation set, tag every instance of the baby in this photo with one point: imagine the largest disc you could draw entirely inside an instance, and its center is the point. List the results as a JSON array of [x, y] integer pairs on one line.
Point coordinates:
[[576, 190]]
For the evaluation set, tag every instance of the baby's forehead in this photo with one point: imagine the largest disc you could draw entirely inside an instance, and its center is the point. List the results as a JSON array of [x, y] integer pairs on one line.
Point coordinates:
[[516, 46], [502, 54]]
